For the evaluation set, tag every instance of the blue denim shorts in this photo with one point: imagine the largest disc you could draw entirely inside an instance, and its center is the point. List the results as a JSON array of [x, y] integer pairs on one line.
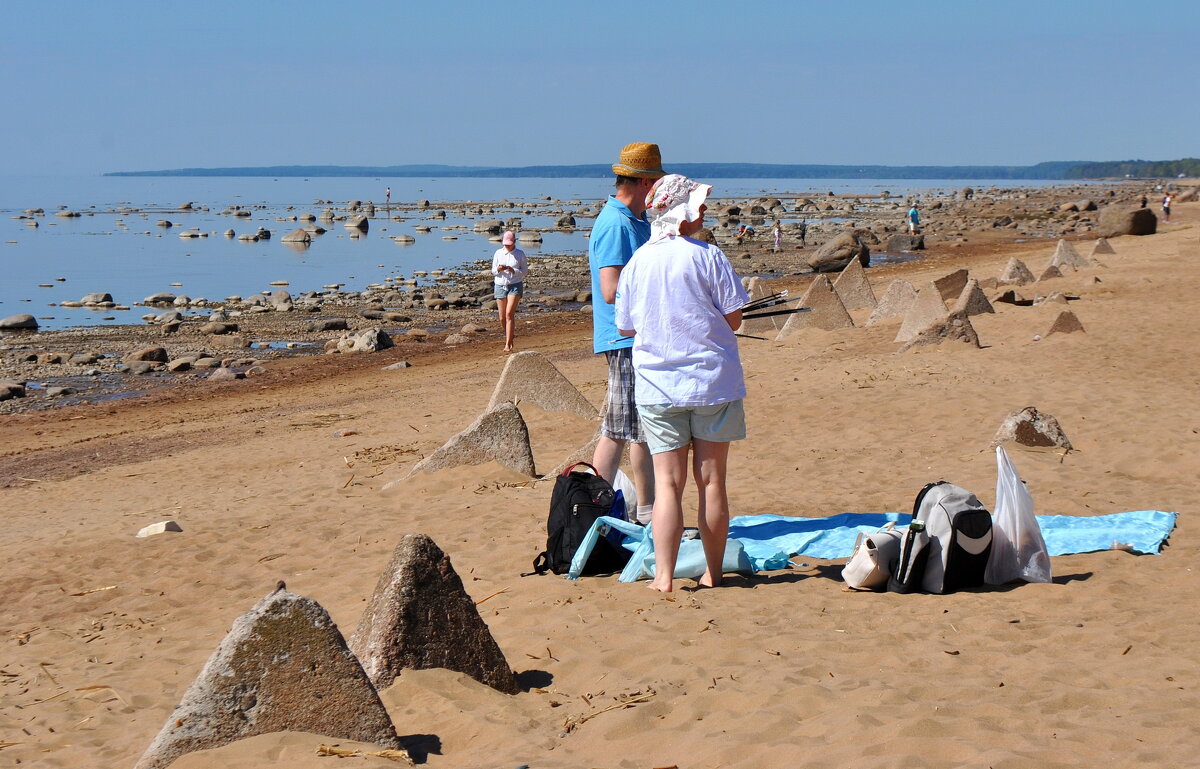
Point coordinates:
[[669, 427], [513, 289]]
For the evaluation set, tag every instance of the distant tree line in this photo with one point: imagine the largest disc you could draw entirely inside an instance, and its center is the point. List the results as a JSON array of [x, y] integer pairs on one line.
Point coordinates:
[[1138, 169]]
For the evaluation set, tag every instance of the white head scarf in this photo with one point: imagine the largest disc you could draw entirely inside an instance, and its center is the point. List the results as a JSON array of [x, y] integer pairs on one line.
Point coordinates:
[[672, 200]]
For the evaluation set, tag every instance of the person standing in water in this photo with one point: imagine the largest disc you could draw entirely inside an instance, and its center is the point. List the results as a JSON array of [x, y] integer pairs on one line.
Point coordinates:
[[509, 266]]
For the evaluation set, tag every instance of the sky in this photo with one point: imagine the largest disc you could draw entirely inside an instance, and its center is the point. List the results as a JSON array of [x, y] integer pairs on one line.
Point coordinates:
[[121, 85]]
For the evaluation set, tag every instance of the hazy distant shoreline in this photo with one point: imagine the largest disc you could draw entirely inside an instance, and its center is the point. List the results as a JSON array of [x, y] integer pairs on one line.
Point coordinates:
[[1053, 170]]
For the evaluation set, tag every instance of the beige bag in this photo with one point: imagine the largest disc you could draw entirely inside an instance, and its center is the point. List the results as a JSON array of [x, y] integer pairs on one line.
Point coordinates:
[[874, 554]]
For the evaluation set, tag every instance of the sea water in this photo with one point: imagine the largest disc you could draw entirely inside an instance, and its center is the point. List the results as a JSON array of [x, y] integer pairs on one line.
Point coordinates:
[[128, 256]]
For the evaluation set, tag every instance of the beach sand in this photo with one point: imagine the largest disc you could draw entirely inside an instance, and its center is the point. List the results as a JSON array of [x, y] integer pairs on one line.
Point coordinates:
[[103, 631]]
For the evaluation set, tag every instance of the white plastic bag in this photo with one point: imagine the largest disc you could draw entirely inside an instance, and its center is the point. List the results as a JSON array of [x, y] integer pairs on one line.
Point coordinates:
[[623, 484], [1018, 550]]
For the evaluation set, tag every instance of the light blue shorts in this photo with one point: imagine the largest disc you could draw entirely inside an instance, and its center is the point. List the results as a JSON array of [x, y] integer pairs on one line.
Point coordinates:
[[669, 427], [512, 289]]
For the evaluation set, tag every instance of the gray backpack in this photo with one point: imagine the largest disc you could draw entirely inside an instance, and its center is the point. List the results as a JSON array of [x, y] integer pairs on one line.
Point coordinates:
[[948, 544]]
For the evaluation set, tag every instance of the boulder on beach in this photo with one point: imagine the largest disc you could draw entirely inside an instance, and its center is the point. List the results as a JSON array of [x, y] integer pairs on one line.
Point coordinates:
[[1121, 220], [22, 322], [155, 354], [10, 389], [358, 222], [530, 377], [162, 297], [906, 243], [420, 616], [284, 666], [498, 435], [367, 340], [834, 255], [488, 225], [1030, 427], [297, 236], [100, 297]]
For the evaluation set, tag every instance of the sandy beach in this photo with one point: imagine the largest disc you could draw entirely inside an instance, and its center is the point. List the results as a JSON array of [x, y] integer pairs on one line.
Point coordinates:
[[280, 477]]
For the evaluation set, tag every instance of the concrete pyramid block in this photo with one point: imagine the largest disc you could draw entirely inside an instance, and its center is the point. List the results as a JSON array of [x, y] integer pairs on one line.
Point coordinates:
[[955, 327], [927, 309], [420, 617], [767, 327], [1030, 427], [972, 300], [1015, 274], [828, 312], [951, 286], [499, 435], [1050, 273], [1101, 248], [1065, 255], [896, 302], [531, 378], [853, 288], [283, 667], [584, 453], [1066, 323]]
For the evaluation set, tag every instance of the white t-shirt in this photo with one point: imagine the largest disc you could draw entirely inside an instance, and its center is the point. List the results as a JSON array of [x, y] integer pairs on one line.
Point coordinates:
[[505, 258], [675, 293]]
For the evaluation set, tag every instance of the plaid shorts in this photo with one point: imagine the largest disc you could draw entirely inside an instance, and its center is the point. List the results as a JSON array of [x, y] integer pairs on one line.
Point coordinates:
[[620, 412]]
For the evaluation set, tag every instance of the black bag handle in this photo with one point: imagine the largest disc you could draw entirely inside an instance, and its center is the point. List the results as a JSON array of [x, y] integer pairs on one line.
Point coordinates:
[[541, 565]]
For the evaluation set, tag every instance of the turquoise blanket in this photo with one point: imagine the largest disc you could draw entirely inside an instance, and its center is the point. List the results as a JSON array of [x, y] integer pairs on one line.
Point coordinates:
[[767, 537]]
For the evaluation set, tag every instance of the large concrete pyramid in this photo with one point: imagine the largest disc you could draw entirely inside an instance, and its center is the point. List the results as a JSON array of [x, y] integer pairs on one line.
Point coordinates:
[[929, 308], [1065, 255], [951, 286], [972, 300], [530, 377], [1050, 273], [853, 288], [955, 327], [283, 667], [767, 327], [828, 312], [499, 434], [1015, 274], [1101, 247], [420, 617], [896, 302]]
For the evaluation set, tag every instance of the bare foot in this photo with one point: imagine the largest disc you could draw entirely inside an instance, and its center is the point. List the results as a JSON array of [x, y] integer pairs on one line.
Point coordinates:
[[708, 581], [656, 585]]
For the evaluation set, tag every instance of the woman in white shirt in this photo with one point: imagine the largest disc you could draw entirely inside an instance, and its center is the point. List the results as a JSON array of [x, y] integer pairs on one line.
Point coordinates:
[[509, 266], [681, 300]]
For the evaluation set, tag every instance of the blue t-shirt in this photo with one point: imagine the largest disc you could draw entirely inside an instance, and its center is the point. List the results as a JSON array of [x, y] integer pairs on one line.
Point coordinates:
[[913, 216], [616, 234]]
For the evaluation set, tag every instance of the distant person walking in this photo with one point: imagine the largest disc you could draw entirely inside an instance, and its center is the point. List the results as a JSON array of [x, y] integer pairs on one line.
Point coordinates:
[[1166, 208], [803, 232], [509, 265], [1145, 200], [620, 228], [777, 235], [387, 196], [914, 220]]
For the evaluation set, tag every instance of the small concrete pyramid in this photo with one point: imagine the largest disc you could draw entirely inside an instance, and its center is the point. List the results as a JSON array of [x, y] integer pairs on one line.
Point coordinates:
[[828, 312], [531, 378], [1065, 255], [768, 327], [421, 617], [972, 300], [1050, 273], [896, 302], [1101, 247], [283, 667], [955, 327], [1015, 274], [499, 434], [929, 308], [853, 288], [951, 286], [1066, 323]]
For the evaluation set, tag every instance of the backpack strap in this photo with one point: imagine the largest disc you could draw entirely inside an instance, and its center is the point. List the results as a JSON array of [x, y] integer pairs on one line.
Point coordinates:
[[541, 565], [571, 468]]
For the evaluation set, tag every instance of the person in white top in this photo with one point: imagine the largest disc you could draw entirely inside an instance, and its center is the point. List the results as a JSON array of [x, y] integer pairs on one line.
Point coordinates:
[[681, 300], [509, 266]]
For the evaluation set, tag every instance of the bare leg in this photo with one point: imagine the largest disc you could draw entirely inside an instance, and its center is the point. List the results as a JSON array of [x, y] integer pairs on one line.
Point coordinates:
[[643, 472], [709, 466], [501, 305], [670, 477], [607, 457], [510, 321]]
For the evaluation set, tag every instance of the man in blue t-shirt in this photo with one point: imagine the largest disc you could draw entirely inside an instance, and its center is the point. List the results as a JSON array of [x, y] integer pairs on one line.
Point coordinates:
[[619, 230], [914, 220]]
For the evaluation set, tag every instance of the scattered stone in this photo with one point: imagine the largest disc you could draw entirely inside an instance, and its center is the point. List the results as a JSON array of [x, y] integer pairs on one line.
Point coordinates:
[[955, 327], [1029, 427], [951, 286], [224, 374], [358, 222], [827, 310], [398, 366], [218, 328], [284, 666], [367, 340], [1015, 274], [328, 324], [19, 323], [297, 236], [97, 298], [162, 297], [837, 253], [1066, 323], [972, 300], [420, 616], [452, 339], [179, 366], [1120, 220], [58, 392], [158, 354], [853, 288], [161, 527], [896, 302], [530, 377], [499, 434], [926, 310], [10, 389], [901, 243], [140, 367]]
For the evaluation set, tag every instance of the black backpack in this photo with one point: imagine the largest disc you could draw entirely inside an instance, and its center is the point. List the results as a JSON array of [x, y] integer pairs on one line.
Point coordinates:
[[580, 498]]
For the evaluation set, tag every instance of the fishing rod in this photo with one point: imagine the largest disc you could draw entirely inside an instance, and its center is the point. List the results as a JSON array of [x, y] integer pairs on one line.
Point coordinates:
[[791, 311]]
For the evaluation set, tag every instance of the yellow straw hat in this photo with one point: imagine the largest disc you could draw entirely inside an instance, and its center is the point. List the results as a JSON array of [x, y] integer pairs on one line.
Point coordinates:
[[640, 160]]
